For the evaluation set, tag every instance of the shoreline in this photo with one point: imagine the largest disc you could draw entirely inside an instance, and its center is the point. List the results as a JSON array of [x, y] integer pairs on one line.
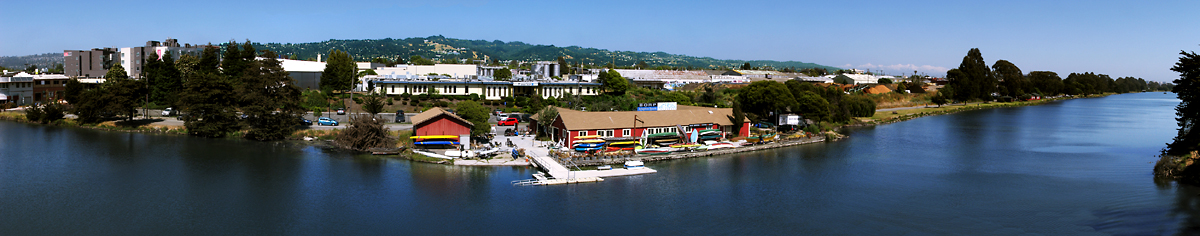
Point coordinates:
[[893, 115], [882, 117]]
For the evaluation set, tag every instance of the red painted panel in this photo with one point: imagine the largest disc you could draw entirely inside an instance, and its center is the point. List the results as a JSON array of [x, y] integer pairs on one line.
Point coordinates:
[[442, 125]]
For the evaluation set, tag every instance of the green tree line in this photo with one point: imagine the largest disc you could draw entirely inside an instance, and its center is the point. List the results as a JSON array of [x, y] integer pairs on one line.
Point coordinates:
[[974, 80], [219, 92]]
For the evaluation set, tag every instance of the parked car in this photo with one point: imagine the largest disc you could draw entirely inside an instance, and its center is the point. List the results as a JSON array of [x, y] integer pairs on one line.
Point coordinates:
[[400, 116], [501, 117], [497, 112], [327, 121], [168, 112], [304, 121], [509, 121], [341, 111]]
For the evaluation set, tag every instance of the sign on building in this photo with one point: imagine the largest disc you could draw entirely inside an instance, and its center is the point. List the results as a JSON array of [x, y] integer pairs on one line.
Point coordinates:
[[662, 106], [667, 106]]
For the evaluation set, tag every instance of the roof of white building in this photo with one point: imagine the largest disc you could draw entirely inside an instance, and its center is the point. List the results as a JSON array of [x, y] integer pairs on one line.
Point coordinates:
[[664, 74], [290, 65]]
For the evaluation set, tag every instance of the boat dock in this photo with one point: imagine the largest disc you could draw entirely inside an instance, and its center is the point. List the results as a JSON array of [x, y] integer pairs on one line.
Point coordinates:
[[617, 160], [557, 173]]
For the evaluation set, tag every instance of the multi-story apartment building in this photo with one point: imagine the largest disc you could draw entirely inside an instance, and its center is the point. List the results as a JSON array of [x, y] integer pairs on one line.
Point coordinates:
[[96, 62]]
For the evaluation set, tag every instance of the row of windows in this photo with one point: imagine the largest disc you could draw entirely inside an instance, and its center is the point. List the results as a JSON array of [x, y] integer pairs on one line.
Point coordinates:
[[559, 91], [624, 132], [662, 130], [17, 85], [490, 91], [496, 91]]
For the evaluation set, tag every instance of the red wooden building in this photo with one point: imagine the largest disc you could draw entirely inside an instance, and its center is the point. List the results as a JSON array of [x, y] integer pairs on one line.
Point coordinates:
[[632, 124], [437, 121]]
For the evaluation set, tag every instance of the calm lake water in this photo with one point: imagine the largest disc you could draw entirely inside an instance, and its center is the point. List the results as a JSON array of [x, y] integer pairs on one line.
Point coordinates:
[[1073, 167]]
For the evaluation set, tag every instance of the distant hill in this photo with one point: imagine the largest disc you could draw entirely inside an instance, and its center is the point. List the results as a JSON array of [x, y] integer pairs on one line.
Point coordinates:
[[47, 60], [437, 47]]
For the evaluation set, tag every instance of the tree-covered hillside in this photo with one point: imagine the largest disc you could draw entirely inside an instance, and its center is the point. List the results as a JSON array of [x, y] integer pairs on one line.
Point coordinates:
[[48, 60], [448, 49]]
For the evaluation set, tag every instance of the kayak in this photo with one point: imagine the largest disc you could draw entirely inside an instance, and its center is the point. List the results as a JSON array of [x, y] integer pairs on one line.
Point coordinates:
[[587, 137], [672, 139], [613, 149], [623, 143], [584, 149], [436, 143], [588, 145], [654, 151], [668, 134], [590, 141], [666, 143], [435, 137]]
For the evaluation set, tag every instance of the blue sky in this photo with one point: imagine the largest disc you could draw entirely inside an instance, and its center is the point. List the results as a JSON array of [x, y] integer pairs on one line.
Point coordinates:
[[1118, 38]]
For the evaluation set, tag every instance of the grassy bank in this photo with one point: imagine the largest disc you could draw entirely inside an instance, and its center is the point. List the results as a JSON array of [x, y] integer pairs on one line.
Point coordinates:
[[137, 126], [883, 117]]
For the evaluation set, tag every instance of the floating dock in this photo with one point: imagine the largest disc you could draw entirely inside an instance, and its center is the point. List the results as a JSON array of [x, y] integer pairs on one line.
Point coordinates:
[[556, 173]]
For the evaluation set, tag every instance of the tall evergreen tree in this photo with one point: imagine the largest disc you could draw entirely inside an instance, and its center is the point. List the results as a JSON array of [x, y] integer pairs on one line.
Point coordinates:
[[151, 71], [339, 72], [1047, 82], [1014, 83], [122, 94], [170, 83], [1187, 88], [162, 77], [972, 80], [269, 98], [208, 99]]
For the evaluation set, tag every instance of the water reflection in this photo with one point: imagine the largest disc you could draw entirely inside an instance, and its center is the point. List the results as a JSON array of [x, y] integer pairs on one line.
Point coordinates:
[[1065, 168]]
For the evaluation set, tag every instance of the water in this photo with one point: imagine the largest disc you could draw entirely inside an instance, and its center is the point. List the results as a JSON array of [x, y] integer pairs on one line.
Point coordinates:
[[1073, 167]]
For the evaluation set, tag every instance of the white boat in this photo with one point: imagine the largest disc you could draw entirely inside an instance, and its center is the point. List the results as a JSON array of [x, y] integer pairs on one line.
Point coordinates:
[[720, 145], [434, 155], [634, 165], [604, 167]]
